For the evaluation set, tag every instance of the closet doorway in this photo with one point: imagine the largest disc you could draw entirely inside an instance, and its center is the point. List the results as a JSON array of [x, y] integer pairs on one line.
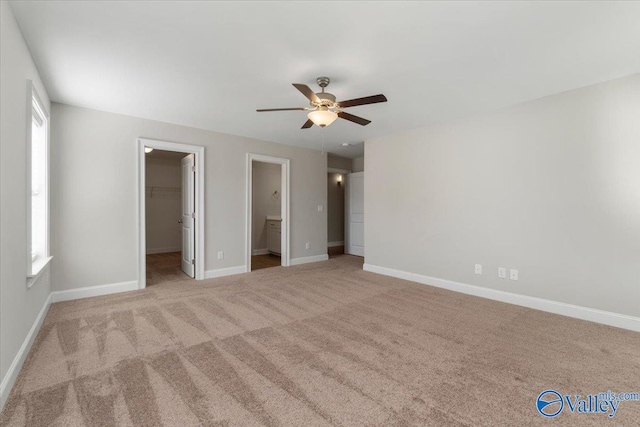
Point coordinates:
[[170, 203]]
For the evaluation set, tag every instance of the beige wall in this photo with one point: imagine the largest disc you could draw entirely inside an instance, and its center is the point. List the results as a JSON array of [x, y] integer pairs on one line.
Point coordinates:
[[94, 215], [358, 164], [19, 306], [163, 200], [267, 178], [338, 162], [335, 209], [550, 187]]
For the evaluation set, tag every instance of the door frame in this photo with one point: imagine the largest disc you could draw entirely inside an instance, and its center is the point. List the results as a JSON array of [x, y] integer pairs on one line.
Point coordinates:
[[198, 152], [285, 206]]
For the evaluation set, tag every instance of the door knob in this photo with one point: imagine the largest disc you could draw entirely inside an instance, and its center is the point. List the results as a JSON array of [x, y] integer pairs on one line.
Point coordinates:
[[179, 221]]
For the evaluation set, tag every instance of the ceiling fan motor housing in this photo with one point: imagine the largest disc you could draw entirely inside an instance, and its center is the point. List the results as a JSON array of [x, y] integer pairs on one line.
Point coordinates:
[[328, 99]]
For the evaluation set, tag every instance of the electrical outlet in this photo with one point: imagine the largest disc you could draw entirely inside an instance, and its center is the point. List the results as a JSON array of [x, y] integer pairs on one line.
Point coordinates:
[[513, 274], [478, 269], [220, 254], [308, 245], [320, 208], [502, 272]]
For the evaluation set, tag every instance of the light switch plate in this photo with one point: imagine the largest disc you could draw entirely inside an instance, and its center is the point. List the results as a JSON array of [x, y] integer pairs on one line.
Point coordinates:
[[513, 274], [320, 208], [220, 254], [502, 272], [308, 245]]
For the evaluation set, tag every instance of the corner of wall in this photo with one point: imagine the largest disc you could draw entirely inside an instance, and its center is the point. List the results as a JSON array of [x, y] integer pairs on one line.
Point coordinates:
[[22, 308]]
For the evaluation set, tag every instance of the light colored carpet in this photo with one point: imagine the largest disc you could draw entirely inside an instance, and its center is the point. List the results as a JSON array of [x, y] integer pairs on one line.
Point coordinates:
[[313, 345], [165, 267]]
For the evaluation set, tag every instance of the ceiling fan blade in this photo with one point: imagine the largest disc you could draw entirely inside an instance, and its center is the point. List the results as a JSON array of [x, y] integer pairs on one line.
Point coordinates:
[[354, 119], [306, 91], [307, 124], [280, 109], [362, 101]]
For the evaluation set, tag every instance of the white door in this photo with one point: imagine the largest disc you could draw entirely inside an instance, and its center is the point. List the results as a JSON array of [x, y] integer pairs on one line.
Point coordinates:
[[355, 214], [188, 213]]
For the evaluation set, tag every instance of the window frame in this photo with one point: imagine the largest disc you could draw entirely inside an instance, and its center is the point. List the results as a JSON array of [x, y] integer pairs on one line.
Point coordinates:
[[36, 265]]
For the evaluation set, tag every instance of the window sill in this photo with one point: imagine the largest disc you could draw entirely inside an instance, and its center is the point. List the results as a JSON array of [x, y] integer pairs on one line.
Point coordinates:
[[37, 268]]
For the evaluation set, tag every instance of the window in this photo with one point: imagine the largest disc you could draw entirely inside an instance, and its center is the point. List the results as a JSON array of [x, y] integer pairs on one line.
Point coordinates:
[[38, 178]]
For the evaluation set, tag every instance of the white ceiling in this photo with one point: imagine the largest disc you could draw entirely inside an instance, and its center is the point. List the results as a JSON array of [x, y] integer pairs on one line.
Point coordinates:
[[210, 65]]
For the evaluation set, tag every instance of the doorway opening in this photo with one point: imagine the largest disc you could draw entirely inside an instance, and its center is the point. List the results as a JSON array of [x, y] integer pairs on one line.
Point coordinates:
[[336, 182], [267, 212], [171, 196], [354, 220]]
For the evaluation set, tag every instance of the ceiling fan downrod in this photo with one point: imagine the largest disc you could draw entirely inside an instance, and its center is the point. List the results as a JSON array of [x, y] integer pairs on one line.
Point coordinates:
[[323, 82]]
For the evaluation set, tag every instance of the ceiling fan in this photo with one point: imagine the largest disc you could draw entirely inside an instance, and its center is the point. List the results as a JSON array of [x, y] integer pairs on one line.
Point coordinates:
[[324, 109]]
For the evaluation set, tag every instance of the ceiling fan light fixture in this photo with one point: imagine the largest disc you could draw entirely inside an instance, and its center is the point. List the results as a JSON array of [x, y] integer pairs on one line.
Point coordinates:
[[322, 117]]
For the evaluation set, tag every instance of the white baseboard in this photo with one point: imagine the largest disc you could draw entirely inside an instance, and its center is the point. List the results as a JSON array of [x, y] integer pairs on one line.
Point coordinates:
[[221, 272], [260, 252], [336, 243], [308, 259], [579, 312], [164, 250], [94, 291], [14, 369]]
